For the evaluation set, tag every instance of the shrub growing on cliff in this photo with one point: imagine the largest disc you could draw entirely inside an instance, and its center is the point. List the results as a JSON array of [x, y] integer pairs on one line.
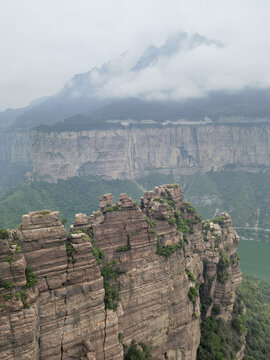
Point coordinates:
[[190, 208], [69, 249], [9, 258], [190, 275], [168, 250], [150, 222], [6, 284], [31, 278], [219, 220], [123, 248], [45, 212], [120, 337], [99, 255], [111, 297], [108, 272], [182, 224], [239, 323], [192, 294], [111, 209], [223, 264], [171, 220], [216, 310], [234, 259], [4, 234], [63, 221], [138, 352]]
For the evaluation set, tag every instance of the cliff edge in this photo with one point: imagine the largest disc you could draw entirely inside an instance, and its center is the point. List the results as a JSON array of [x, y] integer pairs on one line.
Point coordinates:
[[128, 274]]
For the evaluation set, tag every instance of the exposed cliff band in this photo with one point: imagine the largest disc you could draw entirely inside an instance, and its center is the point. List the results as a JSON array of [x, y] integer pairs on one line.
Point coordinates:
[[135, 152], [150, 273]]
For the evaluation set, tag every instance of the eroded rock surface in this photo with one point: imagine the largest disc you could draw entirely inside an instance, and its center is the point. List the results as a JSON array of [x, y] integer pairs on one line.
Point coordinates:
[[147, 273], [136, 152]]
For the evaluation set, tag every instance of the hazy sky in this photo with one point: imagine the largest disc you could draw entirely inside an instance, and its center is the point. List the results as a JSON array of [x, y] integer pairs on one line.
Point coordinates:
[[45, 42]]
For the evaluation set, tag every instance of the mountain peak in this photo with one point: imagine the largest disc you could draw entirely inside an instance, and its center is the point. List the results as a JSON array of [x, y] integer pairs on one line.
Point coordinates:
[[175, 43]]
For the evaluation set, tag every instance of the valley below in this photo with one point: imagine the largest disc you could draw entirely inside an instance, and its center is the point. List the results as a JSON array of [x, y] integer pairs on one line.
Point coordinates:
[[70, 171]]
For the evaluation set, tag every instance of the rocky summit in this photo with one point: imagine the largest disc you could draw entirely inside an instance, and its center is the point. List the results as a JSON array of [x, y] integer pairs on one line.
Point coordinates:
[[145, 275]]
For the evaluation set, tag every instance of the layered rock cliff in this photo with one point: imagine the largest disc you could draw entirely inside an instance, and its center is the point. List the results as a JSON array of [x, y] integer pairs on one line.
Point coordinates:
[[135, 152], [149, 274], [15, 147]]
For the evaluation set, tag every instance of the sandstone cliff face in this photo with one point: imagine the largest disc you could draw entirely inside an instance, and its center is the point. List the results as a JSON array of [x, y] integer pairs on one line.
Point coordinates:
[[134, 152], [15, 147], [142, 272]]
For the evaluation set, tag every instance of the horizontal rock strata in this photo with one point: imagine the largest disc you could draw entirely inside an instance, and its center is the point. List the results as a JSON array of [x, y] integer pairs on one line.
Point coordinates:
[[142, 272], [134, 152]]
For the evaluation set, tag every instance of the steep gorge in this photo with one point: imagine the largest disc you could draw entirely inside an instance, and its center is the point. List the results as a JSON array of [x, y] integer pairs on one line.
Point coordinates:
[[150, 273]]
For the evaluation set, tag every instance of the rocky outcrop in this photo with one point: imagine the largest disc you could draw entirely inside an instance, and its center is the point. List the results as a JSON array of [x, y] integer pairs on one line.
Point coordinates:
[[63, 315], [125, 273], [135, 152]]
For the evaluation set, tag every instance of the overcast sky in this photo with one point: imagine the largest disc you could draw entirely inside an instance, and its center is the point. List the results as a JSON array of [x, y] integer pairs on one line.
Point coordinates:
[[45, 42]]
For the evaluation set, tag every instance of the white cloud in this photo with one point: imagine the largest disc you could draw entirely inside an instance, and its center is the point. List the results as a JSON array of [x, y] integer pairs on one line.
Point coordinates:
[[193, 74], [44, 43]]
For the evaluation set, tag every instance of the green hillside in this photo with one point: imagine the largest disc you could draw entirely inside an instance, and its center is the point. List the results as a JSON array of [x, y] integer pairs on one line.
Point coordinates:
[[69, 197], [243, 194], [220, 340], [256, 295]]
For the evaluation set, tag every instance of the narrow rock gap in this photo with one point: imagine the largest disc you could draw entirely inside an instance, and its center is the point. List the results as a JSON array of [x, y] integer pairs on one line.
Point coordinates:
[[105, 332], [65, 301]]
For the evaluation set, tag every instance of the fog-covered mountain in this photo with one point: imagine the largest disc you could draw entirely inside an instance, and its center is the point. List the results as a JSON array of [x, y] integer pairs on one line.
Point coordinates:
[[156, 85]]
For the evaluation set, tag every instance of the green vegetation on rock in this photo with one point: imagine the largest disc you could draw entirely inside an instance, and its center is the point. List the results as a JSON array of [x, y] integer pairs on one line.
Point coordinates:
[[218, 340], [123, 248], [150, 222], [138, 351], [222, 266], [168, 250], [7, 285], [99, 255], [256, 295], [190, 275], [192, 294], [109, 273], [112, 298], [4, 234], [221, 340], [31, 278]]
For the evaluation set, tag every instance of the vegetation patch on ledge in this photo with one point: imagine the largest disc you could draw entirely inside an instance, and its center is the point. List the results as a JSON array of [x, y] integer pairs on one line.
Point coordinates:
[[123, 248], [109, 273], [139, 351], [4, 234], [112, 297], [192, 294], [168, 250]]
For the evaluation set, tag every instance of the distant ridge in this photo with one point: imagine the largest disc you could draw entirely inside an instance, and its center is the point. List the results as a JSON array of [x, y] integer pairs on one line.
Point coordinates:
[[83, 94]]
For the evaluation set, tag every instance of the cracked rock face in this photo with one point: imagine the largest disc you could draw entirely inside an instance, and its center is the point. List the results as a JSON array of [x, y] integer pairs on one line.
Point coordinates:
[[134, 152], [62, 314]]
